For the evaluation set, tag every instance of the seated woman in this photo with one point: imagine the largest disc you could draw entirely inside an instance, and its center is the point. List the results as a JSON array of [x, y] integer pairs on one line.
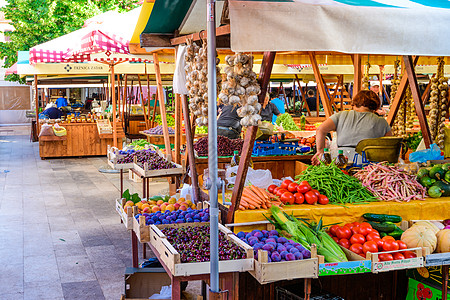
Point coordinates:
[[354, 125]]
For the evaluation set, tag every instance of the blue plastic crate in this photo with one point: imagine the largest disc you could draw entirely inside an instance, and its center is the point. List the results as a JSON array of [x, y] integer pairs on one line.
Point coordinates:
[[262, 148]]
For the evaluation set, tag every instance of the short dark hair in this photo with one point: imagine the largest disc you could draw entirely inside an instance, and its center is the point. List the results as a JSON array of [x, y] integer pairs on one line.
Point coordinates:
[[310, 92], [367, 99], [273, 95]]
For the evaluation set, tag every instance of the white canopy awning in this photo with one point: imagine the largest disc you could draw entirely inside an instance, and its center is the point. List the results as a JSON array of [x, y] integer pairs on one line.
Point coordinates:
[[383, 28]]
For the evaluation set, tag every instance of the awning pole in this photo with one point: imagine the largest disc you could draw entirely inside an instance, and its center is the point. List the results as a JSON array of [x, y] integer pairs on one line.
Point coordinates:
[[212, 148], [113, 95]]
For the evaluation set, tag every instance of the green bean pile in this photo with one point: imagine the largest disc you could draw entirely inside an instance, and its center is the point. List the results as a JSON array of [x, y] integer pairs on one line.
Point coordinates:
[[340, 188]]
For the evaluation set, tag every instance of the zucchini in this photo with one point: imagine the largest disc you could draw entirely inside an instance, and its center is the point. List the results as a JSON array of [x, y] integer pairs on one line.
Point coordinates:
[[382, 227], [382, 218], [397, 233]]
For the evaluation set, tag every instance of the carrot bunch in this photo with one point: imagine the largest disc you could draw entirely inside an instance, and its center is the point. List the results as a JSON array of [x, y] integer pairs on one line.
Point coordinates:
[[254, 197]]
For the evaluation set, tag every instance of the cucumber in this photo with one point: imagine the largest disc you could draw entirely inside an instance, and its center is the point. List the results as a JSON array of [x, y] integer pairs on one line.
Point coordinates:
[[382, 227], [382, 218], [397, 233]]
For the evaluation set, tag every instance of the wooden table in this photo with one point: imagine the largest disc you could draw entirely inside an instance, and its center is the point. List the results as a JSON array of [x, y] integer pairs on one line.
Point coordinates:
[[280, 166], [82, 139]]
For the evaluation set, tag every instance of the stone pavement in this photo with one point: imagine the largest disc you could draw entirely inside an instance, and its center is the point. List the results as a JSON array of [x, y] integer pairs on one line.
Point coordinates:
[[60, 237]]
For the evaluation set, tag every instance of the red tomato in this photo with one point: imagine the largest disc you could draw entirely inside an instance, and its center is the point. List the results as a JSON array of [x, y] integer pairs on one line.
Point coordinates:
[[335, 239], [333, 229], [366, 224], [343, 233], [344, 243], [275, 190], [398, 255], [390, 245], [304, 182], [316, 192], [380, 243], [323, 200], [303, 188], [385, 256], [372, 236], [281, 191], [357, 239], [370, 246], [287, 198], [365, 229], [356, 223], [402, 245], [285, 184], [299, 198], [271, 188], [349, 225], [311, 197], [408, 254], [388, 237], [355, 229], [292, 187], [357, 248]]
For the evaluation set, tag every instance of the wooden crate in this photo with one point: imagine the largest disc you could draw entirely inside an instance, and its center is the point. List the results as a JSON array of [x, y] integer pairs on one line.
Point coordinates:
[[401, 264], [135, 178], [142, 230], [104, 126], [127, 216], [267, 272], [144, 171], [171, 257], [114, 156]]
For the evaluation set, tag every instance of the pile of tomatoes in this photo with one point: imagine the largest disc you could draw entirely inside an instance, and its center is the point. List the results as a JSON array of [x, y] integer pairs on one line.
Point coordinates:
[[362, 238], [297, 193]]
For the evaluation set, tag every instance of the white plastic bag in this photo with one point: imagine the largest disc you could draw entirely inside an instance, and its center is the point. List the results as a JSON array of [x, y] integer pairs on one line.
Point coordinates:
[[165, 293], [179, 76], [186, 189], [259, 178]]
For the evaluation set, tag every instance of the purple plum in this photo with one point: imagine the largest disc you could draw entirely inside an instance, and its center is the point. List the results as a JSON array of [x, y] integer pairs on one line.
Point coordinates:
[[255, 241], [283, 254], [275, 256], [306, 253], [290, 257], [293, 250], [273, 232], [258, 234], [271, 240], [281, 248], [282, 240], [268, 247]]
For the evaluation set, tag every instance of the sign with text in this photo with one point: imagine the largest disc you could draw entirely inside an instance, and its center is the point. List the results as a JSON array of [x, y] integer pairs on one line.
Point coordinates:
[[401, 264]]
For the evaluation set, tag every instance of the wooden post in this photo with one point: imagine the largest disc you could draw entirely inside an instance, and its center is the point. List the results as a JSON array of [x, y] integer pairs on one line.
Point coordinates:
[[380, 92], [444, 281], [398, 96], [148, 95], [250, 135], [36, 96], [177, 129], [162, 106], [190, 149], [320, 86], [124, 99], [303, 97], [113, 96], [357, 78], [142, 102], [427, 91], [420, 110], [119, 95]]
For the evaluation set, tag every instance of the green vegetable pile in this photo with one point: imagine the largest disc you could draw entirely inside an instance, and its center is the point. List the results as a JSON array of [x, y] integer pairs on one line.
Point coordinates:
[[436, 179], [287, 122], [170, 120], [139, 144], [340, 188], [413, 140], [201, 129]]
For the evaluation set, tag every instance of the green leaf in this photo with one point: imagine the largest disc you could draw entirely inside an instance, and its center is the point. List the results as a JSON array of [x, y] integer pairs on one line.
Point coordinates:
[[135, 198], [126, 195]]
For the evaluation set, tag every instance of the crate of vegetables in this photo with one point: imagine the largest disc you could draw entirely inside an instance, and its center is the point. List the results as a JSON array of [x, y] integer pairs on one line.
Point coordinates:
[[123, 159], [277, 258], [151, 164], [184, 249], [396, 259], [126, 211]]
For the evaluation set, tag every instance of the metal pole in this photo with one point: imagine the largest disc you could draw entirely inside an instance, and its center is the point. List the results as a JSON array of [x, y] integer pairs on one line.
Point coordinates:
[[212, 145]]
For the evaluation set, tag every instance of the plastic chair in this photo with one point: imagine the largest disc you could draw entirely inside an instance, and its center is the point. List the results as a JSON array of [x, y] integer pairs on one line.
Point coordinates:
[[380, 149]]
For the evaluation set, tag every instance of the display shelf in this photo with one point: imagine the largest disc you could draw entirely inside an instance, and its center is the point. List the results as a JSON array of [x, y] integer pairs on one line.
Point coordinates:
[[52, 138], [144, 171], [437, 259], [171, 258]]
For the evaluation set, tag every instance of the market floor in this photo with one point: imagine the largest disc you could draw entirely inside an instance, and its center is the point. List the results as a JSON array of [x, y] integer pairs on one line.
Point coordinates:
[[60, 237]]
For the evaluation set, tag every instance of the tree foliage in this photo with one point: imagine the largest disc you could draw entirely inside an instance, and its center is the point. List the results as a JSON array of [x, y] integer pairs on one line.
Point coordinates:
[[38, 21]]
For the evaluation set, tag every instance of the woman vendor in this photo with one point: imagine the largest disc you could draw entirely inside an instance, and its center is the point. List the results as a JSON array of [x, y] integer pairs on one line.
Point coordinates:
[[228, 122], [354, 125], [268, 110]]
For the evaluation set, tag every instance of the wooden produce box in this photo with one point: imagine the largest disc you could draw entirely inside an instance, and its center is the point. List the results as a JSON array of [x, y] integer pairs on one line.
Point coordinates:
[[141, 283], [267, 272], [171, 258], [142, 230], [400, 264], [104, 126], [113, 156], [144, 171], [356, 264], [126, 216]]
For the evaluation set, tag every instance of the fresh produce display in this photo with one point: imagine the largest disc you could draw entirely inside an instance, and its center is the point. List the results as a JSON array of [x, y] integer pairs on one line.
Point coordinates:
[[197, 80], [361, 238], [225, 146], [390, 183], [438, 104], [201, 129], [254, 197], [307, 234], [384, 224], [297, 193], [169, 118], [443, 241], [278, 248], [420, 235], [182, 215], [193, 244], [340, 188], [310, 142], [158, 130], [154, 161], [285, 120], [130, 154], [157, 203], [413, 140], [436, 179], [241, 88], [138, 144]]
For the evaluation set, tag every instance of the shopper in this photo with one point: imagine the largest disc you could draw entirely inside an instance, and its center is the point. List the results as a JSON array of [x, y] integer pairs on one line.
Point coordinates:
[[278, 103], [61, 101], [228, 122], [352, 126], [268, 110], [52, 112], [311, 100]]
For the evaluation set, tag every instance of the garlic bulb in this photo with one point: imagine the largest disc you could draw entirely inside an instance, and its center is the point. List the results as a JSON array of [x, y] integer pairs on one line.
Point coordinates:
[[438, 104]]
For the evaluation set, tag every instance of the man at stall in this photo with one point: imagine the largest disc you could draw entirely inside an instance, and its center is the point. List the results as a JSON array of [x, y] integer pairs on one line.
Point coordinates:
[[269, 109], [311, 100], [52, 112], [354, 125], [228, 122], [61, 101], [278, 103]]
